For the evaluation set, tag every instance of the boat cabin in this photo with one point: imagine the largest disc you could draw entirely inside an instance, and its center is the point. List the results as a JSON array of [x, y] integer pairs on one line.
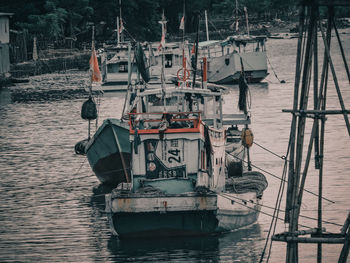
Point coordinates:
[[172, 133], [232, 44]]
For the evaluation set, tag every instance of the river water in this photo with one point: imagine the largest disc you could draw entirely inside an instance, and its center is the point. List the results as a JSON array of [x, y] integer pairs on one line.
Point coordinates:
[[51, 209]]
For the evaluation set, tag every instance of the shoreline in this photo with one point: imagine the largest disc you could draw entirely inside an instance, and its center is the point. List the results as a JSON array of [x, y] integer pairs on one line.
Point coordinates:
[[51, 61]]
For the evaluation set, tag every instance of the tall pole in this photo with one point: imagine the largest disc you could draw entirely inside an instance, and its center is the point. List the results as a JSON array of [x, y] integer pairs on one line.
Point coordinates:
[[196, 53], [236, 26], [162, 42], [121, 20], [118, 31], [206, 24], [246, 19]]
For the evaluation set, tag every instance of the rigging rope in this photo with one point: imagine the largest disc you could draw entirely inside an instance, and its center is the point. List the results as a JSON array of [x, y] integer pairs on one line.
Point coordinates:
[[274, 72], [277, 177], [283, 157]]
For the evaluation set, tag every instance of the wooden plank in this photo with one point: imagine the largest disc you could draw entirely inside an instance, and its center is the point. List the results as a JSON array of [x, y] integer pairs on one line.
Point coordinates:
[[317, 111], [311, 240]]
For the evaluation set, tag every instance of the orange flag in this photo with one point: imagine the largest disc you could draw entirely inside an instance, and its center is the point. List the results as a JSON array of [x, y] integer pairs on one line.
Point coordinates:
[[95, 71], [193, 49]]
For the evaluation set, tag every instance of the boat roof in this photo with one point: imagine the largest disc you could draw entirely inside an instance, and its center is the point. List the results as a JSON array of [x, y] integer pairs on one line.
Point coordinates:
[[208, 43], [243, 39], [6, 14], [176, 90]]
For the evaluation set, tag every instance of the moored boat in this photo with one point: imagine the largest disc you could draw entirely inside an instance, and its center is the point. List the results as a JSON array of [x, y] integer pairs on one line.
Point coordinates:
[[109, 152], [178, 176], [224, 59]]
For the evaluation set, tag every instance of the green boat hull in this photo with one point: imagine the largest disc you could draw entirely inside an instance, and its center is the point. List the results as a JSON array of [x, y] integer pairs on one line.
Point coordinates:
[[109, 152]]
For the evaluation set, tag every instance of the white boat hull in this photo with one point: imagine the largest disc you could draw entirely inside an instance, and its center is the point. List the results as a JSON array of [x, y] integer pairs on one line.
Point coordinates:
[[226, 69]]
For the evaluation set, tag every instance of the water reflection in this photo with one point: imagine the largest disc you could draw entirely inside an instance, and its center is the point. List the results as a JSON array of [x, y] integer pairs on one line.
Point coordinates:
[[242, 245]]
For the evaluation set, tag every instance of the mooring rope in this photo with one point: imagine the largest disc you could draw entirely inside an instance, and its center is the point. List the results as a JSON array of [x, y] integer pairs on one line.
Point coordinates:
[[274, 72], [279, 178], [283, 157]]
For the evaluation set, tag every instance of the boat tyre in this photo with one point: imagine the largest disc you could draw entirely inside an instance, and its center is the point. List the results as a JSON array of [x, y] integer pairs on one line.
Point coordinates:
[[141, 63], [80, 147]]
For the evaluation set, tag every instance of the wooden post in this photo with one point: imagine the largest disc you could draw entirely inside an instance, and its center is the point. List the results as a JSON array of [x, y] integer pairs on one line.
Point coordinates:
[[341, 50], [335, 79], [294, 119], [345, 250], [317, 154]]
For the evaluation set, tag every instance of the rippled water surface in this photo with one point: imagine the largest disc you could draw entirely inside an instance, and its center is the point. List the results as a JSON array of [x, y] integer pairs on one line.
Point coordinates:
[[51, 208]]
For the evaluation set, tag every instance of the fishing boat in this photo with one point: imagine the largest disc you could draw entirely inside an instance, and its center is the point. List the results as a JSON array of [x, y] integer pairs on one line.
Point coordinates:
[[178, 182], [114, 68], [225, 56], [108, 150], [224, 65]]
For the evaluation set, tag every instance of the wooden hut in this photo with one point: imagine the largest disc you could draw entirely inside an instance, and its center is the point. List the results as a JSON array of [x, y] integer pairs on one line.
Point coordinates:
[[4, 42]]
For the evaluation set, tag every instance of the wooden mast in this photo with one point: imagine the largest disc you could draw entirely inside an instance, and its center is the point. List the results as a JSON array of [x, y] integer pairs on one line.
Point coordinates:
[[309, 14]]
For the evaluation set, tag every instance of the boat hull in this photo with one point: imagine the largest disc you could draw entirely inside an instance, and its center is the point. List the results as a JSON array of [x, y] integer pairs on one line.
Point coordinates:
[[109, 152], [226, 69], [169, 224], [178, 215], [237, 210]]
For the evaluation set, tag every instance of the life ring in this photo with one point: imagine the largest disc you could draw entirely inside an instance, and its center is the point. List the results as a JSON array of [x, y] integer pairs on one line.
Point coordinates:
[[185, 76], [141, 63]]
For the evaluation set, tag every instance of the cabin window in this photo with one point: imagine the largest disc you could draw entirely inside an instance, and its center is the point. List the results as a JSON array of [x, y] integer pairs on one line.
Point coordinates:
[[123, 67], [168, 60]]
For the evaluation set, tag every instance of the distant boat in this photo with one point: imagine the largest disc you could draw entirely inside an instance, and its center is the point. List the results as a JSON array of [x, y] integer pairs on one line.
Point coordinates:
[[283, 35], [224, 59], [114, 67]]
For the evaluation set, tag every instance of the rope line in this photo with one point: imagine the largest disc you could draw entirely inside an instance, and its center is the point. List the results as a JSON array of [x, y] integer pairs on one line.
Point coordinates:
[[279, 178], [283, 157], [281, 210], [229, 197], [274, 72]]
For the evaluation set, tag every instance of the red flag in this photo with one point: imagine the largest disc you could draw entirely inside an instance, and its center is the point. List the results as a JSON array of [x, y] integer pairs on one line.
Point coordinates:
[[121, 28], [193, 49], [162, 41], [182, 23], [95, 71]]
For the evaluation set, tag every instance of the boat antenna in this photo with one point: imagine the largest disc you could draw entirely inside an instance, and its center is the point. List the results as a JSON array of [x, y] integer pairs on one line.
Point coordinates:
[[236, 14], [246, 19], [206, 24], [121, 27], [162, 45], [129, 80], [196, 51]]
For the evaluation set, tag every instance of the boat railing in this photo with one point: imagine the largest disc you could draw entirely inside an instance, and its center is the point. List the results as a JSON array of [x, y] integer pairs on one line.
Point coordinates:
[[167, 122]]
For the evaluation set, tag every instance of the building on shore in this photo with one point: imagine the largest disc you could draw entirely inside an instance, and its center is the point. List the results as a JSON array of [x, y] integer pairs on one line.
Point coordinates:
[[4, 42]]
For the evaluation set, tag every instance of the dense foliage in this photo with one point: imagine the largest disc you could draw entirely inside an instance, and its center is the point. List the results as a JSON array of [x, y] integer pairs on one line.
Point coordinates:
[[59, 19]]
